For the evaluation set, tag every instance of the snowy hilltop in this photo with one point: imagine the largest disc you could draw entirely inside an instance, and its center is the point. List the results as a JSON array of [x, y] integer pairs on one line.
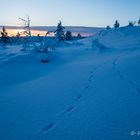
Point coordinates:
[[87, 89]]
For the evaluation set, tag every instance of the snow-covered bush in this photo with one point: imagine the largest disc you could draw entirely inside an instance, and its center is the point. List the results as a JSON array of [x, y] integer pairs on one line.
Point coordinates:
[[46, 45], [27, 43]]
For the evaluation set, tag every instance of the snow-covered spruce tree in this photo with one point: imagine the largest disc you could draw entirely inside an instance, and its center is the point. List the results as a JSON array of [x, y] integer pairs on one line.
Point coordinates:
[[68, 36], [131, 23], [139, 22], [116, 24], [4, 36], [59, 33]]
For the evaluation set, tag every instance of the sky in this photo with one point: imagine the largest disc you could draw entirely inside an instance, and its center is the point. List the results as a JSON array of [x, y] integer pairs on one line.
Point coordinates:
[[93, 13]]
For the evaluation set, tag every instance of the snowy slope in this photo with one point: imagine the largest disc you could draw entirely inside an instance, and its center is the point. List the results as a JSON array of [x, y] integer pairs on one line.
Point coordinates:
[[81, 94]]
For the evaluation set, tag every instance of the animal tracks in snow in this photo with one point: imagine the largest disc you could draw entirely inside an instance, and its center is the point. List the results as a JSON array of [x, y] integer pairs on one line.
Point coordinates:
[[90, 80], [79, 97], [122, 76], [69, 110], [47, 128], [138, 90], [132, 82], [86, 88]]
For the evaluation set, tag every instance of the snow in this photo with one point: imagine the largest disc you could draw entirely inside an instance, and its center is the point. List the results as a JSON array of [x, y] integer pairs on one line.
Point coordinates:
[[82, 93]]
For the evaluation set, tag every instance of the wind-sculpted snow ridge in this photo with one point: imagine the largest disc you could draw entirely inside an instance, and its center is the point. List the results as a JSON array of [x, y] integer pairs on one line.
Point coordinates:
[[122, 38]]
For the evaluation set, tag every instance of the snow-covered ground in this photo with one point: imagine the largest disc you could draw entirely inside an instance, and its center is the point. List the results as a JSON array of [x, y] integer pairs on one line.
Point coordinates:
[[82, 93]]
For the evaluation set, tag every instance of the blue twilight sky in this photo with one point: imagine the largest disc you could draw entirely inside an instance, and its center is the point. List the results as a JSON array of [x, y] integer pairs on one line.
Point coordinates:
[[70, 12]]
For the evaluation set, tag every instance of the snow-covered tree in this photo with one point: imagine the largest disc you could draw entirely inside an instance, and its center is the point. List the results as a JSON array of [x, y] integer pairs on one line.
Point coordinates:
[[68, 35], [59, 33], [4, 35], [131, 23], [108, 27], [3, 32], [139, 22], [79, 36], [45, 45], [116, 24]]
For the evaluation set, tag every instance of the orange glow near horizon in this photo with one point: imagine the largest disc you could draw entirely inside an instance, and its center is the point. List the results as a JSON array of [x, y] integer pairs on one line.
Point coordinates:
[[13, 32]]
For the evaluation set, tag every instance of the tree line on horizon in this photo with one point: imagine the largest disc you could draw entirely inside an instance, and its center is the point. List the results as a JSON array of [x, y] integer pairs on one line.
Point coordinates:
[[60, 34], [117, 24]]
